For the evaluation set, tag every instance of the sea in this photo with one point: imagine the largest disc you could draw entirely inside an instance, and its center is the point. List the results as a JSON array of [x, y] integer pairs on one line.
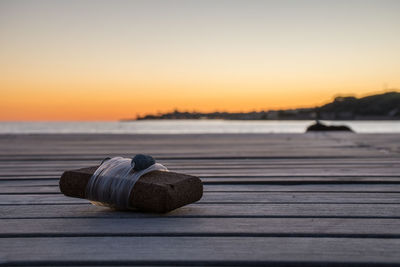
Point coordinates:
[[187, 127]]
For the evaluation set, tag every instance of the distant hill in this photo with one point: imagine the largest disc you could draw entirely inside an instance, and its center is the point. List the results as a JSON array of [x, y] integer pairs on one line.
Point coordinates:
[[384, 106], [380, 106]]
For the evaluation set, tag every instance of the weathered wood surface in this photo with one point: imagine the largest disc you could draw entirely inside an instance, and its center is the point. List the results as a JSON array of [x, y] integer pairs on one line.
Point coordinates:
[[268, 199]]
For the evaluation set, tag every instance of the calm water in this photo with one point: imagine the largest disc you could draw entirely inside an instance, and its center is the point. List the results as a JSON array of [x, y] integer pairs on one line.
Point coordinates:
[[189, 126]]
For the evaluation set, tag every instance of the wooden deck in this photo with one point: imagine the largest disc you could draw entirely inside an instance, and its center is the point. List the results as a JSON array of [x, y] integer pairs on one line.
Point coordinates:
[[279, 199]]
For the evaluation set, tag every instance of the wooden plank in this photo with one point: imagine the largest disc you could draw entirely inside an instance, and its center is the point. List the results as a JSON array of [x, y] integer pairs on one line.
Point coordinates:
[[75, 159], [394, 188], [198, 250], [267, 172], [300, 180], [297, 151], [188, 163], [222, 163], [283, 180], [256, 182], [207, 151], [30, 189], [316, 227], [245, 144], [28, 182], [297, 210], [25, 187], [298, 197], [228, 197]]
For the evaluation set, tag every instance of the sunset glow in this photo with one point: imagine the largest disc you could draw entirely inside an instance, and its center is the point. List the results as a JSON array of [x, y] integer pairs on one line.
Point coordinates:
[[108, 60]]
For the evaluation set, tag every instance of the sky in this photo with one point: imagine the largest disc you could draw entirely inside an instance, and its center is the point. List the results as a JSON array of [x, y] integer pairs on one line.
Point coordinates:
[[109, 60]]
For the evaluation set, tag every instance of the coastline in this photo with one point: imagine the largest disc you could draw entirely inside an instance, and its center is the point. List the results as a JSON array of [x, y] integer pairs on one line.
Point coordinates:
[[189, 127]]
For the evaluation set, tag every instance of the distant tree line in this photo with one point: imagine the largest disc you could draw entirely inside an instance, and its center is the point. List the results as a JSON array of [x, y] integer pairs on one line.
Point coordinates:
[[382, 106]]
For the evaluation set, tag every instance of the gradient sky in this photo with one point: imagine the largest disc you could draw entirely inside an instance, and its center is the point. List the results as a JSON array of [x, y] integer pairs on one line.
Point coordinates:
[[107, 60]]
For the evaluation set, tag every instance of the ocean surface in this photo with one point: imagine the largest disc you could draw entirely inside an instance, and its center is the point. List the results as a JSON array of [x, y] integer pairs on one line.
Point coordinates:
[[188, 127]]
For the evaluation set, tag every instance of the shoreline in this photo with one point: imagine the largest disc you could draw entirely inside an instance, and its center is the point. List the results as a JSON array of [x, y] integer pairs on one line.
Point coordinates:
[[185, 127]]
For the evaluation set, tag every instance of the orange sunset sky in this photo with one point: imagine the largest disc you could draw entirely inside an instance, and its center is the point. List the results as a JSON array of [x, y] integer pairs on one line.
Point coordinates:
[[107, 60]]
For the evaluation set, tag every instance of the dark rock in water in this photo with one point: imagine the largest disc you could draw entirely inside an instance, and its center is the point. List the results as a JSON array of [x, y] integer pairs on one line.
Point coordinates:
[[319, 127], [141, 162]]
